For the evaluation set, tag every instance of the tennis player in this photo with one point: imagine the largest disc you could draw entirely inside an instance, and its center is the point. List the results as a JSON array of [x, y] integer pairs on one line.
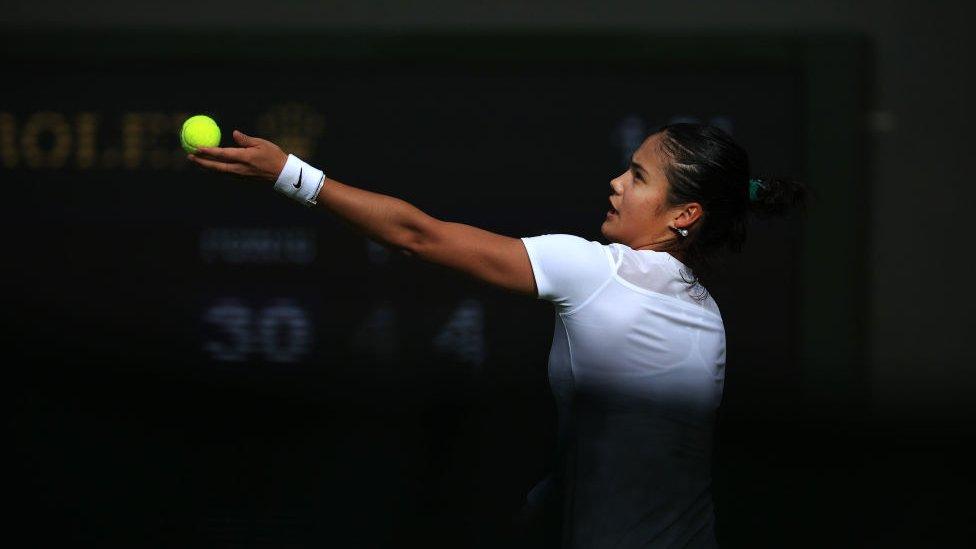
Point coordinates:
[[637, 364]]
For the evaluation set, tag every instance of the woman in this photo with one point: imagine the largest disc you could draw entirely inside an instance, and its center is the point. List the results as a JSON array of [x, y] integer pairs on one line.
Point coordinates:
[[637, 363]]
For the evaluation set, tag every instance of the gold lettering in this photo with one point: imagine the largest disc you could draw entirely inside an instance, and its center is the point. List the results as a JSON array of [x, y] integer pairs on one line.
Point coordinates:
[[8, 140], [87, 127], [158, 126], [132, 132], [46, 122]]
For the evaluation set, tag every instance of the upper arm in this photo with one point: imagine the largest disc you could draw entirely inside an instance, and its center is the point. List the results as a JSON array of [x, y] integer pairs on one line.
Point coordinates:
[[493, 258]]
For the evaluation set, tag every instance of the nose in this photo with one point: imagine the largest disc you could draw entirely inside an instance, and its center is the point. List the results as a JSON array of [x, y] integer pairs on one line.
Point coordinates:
[[615, 186]]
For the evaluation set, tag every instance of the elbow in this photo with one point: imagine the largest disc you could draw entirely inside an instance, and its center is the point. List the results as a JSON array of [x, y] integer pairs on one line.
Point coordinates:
[[417, 236], [408, 244]]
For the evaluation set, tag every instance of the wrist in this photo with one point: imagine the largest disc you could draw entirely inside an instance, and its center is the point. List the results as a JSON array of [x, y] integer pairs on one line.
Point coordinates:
[[282, 160], [300, 181]]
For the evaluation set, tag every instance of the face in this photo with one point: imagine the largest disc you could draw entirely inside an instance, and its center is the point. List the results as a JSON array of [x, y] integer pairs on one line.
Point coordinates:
[[639, 196]]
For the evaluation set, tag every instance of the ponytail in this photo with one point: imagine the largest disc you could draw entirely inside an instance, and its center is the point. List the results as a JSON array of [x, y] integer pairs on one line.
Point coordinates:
[[776, 196]]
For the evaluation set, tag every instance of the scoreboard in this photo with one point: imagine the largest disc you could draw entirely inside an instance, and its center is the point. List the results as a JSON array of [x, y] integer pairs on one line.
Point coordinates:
[[139, 282]]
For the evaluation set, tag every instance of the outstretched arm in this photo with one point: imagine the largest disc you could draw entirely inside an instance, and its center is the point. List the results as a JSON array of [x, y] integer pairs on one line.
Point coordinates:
[[383, 218], [496, 259]]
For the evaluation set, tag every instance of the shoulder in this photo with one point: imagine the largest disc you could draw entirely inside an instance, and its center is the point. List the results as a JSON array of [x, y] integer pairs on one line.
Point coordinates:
[[562, 239], [567, 267], [566, 245]]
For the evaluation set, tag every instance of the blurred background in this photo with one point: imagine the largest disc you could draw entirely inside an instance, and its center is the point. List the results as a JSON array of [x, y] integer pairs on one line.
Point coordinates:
[[193, 359]]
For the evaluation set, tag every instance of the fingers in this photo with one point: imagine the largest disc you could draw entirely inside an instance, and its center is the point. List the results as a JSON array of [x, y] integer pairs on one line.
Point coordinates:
[[225, 154], [225, 167], [245, 140]]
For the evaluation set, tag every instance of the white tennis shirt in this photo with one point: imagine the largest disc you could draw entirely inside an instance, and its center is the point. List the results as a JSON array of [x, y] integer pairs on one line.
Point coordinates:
[[637, 369]]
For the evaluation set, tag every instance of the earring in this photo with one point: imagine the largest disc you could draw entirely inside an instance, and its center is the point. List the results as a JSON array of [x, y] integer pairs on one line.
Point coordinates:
[[682, 232]]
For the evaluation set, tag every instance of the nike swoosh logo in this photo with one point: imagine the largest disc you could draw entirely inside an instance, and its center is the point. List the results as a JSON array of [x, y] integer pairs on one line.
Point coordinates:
[[299, 184]]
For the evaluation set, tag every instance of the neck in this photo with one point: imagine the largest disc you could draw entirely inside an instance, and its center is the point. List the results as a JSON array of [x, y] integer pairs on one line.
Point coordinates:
[[657, 246]]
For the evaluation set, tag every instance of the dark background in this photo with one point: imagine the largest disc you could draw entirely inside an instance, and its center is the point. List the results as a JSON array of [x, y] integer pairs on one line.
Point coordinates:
[[195, 359]]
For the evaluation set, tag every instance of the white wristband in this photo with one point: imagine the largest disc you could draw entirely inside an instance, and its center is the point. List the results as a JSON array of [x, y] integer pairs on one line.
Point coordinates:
[[300, 181]]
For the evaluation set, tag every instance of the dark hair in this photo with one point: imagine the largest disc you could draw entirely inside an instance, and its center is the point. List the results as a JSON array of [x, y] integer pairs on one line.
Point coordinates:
[[704, 165]]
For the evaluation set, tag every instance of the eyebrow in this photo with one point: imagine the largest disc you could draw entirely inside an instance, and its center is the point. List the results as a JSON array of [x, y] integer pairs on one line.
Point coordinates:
[[635, 165]]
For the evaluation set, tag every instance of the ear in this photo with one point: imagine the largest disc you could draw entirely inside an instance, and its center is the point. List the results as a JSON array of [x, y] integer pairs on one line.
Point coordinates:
[[687, 215]]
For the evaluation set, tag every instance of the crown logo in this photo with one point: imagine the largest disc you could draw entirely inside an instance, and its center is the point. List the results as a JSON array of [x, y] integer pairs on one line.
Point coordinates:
[[295, 127]]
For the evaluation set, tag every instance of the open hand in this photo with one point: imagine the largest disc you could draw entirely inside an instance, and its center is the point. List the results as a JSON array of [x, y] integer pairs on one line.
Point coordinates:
[[256, 158]]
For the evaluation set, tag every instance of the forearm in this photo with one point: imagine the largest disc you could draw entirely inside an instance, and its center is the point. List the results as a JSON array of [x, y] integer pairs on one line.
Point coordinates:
[[383, 218]]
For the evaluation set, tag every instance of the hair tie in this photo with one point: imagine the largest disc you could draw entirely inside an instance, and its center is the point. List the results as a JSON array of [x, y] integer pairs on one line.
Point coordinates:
[[754, 186]]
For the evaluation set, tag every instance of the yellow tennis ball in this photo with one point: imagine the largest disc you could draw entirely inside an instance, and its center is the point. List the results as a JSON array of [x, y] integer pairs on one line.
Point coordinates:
[[199, 131]]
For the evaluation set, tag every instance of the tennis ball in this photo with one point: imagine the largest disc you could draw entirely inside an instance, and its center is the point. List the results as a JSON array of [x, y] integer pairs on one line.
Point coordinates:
[[199, 131]]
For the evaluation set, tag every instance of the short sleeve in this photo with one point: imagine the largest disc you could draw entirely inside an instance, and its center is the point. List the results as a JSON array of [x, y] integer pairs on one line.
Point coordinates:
[[567, 269]]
